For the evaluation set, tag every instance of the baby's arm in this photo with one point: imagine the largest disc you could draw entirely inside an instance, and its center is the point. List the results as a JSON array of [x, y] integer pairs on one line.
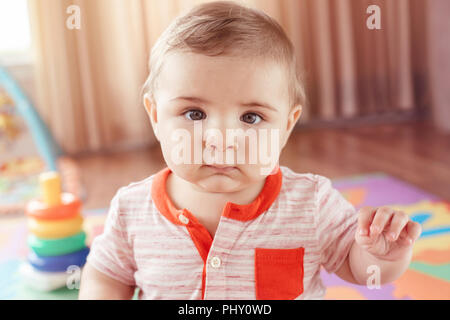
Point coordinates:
[[109, 270], [98, 286]]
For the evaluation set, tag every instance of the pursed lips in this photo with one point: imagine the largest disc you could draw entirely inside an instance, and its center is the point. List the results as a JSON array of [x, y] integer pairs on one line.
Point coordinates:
[[221, 168]]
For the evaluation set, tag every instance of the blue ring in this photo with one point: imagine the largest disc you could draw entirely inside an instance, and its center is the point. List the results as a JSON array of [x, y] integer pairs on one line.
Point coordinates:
[[58, 263]]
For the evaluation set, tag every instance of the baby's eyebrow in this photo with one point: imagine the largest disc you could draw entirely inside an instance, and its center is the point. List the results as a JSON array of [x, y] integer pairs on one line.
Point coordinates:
[[259, 104], [247, 104], [191, 99]]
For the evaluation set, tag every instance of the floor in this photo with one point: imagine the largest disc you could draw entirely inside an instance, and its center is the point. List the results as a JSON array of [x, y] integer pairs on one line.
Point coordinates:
[[415, 152]]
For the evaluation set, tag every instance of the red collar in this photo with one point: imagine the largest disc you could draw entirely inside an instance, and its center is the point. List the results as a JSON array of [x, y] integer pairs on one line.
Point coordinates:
[[234, 211]]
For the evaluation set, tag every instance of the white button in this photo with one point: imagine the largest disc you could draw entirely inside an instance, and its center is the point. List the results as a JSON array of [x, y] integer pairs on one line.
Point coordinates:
[[215, 262], [183, 219]]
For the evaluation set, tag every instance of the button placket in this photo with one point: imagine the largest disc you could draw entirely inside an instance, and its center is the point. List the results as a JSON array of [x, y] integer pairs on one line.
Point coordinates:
[[215, 262], [215, 273], [183, 219]]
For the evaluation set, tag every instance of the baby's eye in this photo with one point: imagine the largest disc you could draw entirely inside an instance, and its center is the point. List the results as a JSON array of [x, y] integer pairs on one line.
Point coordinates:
[[251, 118], [195, 115]]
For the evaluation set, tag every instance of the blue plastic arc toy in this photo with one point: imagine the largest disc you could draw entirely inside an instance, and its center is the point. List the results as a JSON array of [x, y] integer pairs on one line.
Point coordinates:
[[46, 145]]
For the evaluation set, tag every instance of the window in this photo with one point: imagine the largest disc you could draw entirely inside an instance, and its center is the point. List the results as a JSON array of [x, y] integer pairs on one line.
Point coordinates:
[[15, 38]]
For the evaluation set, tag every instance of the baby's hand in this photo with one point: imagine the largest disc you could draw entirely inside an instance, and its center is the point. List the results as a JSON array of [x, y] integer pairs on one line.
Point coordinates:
[[386, 233]]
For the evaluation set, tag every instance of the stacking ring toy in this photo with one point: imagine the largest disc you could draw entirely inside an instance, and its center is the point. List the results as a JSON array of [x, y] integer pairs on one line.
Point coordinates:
[[69, 207], [54, 229], [56, 247], [58, 263]]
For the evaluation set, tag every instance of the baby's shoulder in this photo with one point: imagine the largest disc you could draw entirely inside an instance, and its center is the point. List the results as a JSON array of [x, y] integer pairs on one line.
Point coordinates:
[[305, 189], [137, 192], [292, 178], [304, 185]]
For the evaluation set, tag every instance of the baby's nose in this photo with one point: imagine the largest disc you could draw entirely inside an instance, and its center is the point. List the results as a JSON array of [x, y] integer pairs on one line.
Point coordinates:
[[216, 140]]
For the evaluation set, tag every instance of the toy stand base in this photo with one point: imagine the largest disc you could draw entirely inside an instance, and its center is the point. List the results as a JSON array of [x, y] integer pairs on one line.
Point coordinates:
[[43, 281]]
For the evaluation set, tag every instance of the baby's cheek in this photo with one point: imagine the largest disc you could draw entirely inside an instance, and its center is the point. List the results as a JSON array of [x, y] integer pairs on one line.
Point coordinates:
[[269, 145]]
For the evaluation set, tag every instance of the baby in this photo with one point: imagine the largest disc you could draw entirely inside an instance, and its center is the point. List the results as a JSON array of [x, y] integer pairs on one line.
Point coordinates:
[[224, 220]]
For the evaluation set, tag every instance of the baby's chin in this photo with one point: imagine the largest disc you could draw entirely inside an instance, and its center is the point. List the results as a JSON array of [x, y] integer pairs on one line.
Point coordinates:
[[219, 183], [206, 179]]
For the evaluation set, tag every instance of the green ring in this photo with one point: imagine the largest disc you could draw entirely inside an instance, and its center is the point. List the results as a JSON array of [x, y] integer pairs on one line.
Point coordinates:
[[56, 247]]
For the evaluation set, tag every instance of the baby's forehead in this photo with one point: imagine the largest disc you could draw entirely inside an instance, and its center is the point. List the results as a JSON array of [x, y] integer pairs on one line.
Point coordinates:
[[180, 58], [196, 74]]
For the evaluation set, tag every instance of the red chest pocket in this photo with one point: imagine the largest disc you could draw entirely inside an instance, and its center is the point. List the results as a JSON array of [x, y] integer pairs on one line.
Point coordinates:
[[278, 273]]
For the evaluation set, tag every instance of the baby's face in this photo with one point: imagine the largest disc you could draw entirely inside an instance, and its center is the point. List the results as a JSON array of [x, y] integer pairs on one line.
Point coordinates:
[[221, 121]]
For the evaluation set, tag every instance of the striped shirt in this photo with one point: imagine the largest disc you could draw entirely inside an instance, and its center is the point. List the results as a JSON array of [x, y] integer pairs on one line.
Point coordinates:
[[272, 248]]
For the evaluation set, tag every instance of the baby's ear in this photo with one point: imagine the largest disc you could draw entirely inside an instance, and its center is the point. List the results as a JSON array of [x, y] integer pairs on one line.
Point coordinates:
[[293, 117], [150, 107]]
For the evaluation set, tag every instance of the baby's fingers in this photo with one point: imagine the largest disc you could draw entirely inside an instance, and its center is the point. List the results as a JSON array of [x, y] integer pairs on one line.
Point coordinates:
[[365, 216], [414, 230], [410, 233], [381, 219], [398, 223]]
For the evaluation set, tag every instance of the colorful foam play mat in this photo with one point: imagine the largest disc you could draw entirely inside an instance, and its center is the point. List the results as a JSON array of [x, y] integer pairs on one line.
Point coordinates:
[[428, 276]]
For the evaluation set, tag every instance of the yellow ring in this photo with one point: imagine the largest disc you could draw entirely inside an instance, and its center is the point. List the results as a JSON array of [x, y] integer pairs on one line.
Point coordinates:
[[55, 229]]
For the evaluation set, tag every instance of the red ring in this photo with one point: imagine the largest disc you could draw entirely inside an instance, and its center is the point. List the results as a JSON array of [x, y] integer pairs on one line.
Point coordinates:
[[69, 207]]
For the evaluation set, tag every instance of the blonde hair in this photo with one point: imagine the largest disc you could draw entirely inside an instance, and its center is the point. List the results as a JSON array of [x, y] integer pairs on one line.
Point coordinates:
[[227, 28]]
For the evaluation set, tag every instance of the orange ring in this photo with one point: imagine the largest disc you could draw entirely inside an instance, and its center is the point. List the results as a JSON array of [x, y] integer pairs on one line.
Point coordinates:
[[69, 207]]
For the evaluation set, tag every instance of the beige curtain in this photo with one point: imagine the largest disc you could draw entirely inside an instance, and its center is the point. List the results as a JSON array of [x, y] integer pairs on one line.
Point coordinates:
[[89, 80], [438, 27]]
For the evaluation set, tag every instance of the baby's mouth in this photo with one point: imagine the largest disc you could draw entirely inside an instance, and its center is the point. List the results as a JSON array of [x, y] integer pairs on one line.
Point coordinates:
[[221, 168]]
